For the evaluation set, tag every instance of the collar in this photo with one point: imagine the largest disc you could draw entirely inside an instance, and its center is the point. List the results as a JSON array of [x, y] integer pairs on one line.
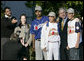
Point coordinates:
[[65, 18], [7, 16], [71, 19], [39, 19]]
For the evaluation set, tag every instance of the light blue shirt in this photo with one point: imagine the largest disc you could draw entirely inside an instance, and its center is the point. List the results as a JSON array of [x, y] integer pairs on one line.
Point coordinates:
[[65, 19]]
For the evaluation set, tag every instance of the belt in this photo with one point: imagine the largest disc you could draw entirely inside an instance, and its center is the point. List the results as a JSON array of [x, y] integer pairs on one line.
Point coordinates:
[[53, 41], [38, 39]]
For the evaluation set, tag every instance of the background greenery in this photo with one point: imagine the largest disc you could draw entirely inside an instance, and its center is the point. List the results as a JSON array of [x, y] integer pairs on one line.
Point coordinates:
[[48, 6]]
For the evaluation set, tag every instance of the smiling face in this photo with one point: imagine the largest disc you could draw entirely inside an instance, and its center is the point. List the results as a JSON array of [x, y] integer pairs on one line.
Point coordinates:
[[70, 15], [38, 13], [62, 14], [51, 18], [23, 19], [8, 12]]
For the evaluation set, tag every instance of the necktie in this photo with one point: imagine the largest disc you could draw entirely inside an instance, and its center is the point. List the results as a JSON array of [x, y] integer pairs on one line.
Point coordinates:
[[62, 24]]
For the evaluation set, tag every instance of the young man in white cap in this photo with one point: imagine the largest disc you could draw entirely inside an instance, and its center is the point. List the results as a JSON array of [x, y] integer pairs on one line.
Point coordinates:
[[35, 30], [73, 35], [50, 39]]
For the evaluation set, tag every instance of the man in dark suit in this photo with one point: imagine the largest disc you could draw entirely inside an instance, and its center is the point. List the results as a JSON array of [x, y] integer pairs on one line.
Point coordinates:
[[63, 33], [8, 23]]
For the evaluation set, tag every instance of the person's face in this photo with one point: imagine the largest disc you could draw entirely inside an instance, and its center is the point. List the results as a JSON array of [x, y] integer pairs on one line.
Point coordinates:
[[38, 13], [51, 18], [70, 15], [8, 12], [62, 14], [23, 19]]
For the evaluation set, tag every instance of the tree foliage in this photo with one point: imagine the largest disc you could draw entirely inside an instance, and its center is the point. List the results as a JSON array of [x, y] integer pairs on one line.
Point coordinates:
[[48, 6], [2, 12]]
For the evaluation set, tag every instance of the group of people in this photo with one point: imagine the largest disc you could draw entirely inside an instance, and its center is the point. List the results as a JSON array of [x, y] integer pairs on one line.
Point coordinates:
[[52, 37]]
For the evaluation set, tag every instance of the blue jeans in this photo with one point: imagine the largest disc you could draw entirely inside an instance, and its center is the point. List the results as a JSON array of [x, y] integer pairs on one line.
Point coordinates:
[[74, 54]]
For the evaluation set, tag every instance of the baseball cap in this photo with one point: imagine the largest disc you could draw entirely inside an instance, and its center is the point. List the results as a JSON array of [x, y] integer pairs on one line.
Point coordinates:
[[38, 8], [52, 14], [70, 10]]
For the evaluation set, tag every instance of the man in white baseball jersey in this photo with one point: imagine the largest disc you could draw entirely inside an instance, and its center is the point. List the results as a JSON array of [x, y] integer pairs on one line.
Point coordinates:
[[73, 35], [50, 39]]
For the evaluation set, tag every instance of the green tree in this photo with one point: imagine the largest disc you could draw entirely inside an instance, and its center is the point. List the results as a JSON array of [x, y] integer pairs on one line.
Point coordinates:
[[2, 12], [48, 6], [77, 5]]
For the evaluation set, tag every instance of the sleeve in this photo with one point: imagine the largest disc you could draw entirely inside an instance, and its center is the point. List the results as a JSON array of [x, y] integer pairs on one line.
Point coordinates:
[[30, 39], [11, 25], [32, 28], [77, 27], [58, 27], [43, 37], [59, 34], [15, 30], [47, 18]]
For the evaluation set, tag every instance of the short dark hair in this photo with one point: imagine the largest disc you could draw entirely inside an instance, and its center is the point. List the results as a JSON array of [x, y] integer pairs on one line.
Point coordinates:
[[6, 8]]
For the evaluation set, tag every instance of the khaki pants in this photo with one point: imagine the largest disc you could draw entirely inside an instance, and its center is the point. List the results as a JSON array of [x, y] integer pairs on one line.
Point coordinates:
[[38, 51]]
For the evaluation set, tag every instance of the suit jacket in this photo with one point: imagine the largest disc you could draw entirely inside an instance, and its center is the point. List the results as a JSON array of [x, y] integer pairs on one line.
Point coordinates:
[[7, 27], [63, 33]]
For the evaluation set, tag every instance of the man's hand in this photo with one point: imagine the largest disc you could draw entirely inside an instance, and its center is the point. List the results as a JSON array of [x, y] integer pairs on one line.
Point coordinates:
[[24, 58], [22, 41], [77, 45], [67, 47], [26, 44], [14, 21], [45, 49], [46, 22]]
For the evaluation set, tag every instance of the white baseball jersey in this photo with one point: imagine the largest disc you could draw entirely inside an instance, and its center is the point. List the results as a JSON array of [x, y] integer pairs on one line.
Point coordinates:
[[47, 34], [73, 29]]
